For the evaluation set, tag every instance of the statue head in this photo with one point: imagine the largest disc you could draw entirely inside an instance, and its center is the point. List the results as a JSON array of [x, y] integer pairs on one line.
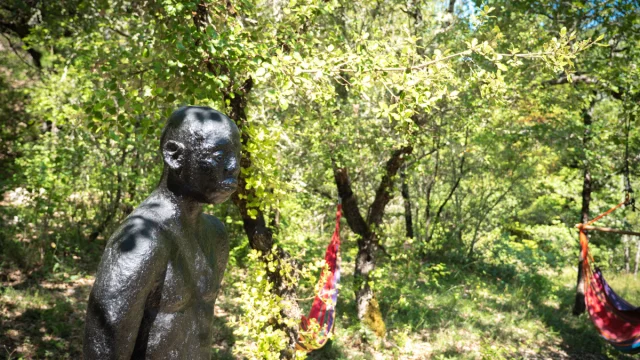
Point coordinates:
[[201, 152]]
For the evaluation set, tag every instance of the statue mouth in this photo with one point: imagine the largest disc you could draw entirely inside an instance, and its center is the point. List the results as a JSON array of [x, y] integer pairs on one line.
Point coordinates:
[[229, 185]]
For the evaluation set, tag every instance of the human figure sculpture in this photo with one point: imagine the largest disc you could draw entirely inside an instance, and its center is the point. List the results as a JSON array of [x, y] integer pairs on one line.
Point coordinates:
[[161, 270]]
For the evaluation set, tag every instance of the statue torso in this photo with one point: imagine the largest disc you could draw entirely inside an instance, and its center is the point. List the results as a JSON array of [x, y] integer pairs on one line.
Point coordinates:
[[178, 313]]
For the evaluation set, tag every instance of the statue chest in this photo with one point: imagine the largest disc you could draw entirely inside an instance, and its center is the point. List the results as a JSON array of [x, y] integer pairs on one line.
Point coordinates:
[[191, 279]]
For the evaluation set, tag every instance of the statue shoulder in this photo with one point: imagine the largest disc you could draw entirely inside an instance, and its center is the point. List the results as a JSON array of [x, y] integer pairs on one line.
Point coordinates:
[[137, 253], [214, 224], [143, 230]]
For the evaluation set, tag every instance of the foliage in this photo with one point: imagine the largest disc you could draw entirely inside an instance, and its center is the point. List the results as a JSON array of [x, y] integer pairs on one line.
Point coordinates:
[[487, 100], [257, 329]]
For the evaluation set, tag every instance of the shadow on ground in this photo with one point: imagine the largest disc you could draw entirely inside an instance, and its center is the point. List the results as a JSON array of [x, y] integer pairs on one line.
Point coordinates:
[[43, 320]]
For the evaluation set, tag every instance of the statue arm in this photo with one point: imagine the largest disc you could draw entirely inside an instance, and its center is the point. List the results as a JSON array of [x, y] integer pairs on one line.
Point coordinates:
[[221, 247], [131, 267]]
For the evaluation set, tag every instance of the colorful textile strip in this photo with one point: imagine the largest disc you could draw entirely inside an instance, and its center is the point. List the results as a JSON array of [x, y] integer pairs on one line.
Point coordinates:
[[315, 329]]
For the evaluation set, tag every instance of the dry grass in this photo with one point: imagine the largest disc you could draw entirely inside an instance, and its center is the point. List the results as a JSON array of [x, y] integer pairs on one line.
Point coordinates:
[[464, 317], [44, 319]]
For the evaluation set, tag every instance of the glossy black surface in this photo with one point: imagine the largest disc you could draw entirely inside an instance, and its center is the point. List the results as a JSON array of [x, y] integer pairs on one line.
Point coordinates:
[[161, 270]]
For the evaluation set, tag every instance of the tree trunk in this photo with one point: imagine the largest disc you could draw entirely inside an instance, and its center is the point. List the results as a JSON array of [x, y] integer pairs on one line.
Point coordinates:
[[627, 253], [259, 234], [365, 257], [408, 219], [587, 119], [635, 269], [365, 263]]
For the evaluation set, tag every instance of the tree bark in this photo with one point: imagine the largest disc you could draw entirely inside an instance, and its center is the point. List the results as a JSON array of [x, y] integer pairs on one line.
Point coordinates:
[[586, 194], [259, 234], [452, 4], [365, 257]]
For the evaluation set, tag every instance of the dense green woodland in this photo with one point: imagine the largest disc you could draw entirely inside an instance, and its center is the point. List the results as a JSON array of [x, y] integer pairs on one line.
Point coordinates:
[[465, 138]]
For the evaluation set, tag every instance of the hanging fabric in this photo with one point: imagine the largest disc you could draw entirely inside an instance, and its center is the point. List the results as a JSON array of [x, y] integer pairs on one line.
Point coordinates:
[[317, 327], [617, 321]]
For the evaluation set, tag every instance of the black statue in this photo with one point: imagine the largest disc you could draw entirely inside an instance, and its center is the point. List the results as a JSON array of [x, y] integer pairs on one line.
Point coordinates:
[[161, 270]]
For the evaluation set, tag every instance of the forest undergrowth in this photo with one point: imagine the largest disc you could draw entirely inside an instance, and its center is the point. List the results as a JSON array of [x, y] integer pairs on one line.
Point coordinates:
[[462, 315]]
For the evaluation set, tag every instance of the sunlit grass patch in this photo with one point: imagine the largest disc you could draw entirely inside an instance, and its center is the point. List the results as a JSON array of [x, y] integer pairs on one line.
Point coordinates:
[[43, 320], [429, 315], [625, 285], [466, 316]]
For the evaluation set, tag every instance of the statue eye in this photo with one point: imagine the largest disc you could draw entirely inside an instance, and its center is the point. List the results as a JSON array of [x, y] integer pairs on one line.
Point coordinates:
[[217, 156], [212, 160]]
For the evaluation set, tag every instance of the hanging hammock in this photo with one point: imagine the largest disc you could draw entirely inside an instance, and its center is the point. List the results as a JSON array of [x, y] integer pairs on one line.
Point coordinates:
[[317, 327], [617, 321]]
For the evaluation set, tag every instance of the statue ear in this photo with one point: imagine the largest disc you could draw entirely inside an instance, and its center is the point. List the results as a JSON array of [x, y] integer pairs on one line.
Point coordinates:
[[173, 154]]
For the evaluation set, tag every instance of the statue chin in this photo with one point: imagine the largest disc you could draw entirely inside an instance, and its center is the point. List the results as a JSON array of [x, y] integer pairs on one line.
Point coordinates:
[[220, 196]]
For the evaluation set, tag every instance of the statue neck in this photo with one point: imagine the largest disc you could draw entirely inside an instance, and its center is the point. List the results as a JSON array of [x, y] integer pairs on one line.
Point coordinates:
[[188, 210]]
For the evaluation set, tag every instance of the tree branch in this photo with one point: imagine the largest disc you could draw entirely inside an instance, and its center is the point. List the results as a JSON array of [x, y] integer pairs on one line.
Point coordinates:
[[585, 79], [383, 194], [422, 156], [120, 32], [453, 190], [35, 55], [423, 65], [349, 202], [486, 214]]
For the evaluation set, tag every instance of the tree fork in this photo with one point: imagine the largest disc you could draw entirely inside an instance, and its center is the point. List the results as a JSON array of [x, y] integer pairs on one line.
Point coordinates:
[[367, 308]]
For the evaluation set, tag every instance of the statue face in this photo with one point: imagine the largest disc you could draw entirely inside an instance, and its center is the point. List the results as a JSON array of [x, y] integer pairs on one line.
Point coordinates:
[[204, 156], [213, 165]]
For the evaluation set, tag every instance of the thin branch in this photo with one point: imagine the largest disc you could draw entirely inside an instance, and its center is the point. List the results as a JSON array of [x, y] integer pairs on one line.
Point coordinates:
[[120, 32], [426, 64], [585, 79], [486, 214], [15, 51], [610, 230], [324, 194], [410, 164], [461, 172]]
